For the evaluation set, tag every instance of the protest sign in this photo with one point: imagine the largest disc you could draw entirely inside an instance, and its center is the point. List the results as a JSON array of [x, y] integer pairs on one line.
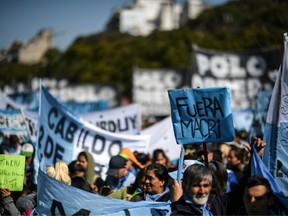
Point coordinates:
[[63, 135], [243, 72], [12, 169], [201, 115], [57, 198], [149, 89], [121, 120]]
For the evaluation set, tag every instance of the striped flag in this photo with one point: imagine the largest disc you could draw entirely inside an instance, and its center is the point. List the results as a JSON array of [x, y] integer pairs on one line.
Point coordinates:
[[276, 129]]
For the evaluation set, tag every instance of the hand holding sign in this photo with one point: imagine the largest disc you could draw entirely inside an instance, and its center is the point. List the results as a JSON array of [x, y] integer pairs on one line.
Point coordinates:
[[12, 172]]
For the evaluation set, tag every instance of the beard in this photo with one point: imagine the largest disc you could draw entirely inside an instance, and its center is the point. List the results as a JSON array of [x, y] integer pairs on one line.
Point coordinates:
[[200, 199]]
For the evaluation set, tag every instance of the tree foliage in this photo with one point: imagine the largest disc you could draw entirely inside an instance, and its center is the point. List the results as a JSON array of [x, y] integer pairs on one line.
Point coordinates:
[[109, 57]]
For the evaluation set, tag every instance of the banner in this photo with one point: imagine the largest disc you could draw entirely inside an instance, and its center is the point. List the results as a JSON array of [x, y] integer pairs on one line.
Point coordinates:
[[8, 103], [258, 168], [162, 137], [62, 136], [121, 120], [149, 89], [12, 168], [12, 122], [202, 115], [243, 72], [87, 106], [31, 122], [276, 128], [57, 198]]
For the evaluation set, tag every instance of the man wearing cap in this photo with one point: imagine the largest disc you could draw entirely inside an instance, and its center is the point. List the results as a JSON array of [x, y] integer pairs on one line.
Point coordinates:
[[133, 164], [118, 175]]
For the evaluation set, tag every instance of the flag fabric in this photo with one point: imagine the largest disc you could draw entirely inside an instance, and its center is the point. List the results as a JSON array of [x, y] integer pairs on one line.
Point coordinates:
[[61, 135], [57, 198], [12, 122], [202, 115], [258, 168], [276, 128]]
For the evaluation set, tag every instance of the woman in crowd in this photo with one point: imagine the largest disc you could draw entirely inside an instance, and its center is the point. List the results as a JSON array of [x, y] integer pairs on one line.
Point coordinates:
[[59, 172], [87, 162], [235, 161], [157, 181], [159, 157]]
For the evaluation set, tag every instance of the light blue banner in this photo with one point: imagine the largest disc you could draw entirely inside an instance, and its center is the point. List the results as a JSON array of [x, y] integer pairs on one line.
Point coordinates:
[[57, 198], [61, 135], [202, 115], [276, 127]]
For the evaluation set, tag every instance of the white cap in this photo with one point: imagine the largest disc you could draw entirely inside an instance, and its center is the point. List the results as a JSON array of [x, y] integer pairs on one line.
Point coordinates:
[[27, 150]]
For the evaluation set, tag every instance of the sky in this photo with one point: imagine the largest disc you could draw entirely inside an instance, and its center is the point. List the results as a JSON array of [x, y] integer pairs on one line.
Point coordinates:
[[68, 19]]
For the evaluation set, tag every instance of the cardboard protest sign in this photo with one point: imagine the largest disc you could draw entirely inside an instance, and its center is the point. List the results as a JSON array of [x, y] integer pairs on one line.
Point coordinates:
[[12, 169], [201, 115]]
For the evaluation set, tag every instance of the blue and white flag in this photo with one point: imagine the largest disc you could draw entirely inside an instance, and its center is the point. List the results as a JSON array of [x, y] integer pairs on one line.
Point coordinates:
[[276, 129], [8, 103], [258, 168], [202, 115], [62, 135], [12, 122], [57, 198]]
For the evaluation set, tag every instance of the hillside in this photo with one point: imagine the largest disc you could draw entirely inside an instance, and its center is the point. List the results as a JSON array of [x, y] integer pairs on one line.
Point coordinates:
[[109, 57]]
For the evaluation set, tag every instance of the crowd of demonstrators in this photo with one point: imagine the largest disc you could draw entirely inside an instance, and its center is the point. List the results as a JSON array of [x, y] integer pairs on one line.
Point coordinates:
[[224, 187]]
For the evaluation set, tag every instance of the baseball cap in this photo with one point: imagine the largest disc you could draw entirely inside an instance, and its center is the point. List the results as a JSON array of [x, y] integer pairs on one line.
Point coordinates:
[[128, 154], [115, 164], [27, 150]]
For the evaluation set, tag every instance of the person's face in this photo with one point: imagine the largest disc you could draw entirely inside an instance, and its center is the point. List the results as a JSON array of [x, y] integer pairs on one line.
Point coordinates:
[[256, 200], [199, 193], [129, 164], [121, 173], [82, 160], [153, 184], [231, 159], [142, 183], [161, 159]]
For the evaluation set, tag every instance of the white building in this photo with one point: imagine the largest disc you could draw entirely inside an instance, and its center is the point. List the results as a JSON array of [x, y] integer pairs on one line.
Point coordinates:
[[144, 16], [30, 52]]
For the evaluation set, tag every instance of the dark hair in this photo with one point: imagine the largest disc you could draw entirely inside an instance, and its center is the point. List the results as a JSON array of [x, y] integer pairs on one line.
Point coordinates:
[[83, 153], [239, 153], [220, 177], [161, 172], [156, 154], [81, 183], [142, 157], [75, 167], [259, 180]]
